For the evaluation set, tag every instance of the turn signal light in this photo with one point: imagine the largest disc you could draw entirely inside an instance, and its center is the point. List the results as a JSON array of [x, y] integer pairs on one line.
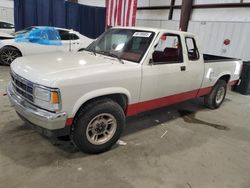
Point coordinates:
[[55, 97]]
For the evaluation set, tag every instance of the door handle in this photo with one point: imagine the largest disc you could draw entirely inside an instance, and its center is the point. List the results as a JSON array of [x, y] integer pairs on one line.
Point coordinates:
[[183, 68]]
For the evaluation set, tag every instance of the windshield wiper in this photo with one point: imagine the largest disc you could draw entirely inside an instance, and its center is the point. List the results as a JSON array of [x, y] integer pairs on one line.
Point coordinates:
[[88, 50], [112, 55]]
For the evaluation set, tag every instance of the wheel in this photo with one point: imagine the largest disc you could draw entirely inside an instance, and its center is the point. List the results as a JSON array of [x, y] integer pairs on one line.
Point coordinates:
[[217, 95], [8, 55], [98, 126]]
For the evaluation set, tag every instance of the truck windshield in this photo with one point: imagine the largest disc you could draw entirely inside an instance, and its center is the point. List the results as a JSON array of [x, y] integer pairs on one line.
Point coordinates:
[[125, 44]]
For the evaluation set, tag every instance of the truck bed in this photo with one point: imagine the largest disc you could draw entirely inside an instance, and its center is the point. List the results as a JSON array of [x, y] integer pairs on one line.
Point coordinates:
[[213, 58]]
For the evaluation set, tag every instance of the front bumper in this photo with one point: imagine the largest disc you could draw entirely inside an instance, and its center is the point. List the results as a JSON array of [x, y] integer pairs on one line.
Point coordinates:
[[41, 120]]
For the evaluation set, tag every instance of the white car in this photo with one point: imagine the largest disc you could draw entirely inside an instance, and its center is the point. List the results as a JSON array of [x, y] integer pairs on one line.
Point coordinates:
[[71, 41], [126, 71], [6, 27], [5, 36]]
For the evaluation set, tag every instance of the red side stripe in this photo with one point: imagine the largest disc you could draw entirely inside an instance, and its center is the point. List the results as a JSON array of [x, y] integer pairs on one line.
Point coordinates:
[[69, 122], [204, 91], [233, 82], [165, 101]]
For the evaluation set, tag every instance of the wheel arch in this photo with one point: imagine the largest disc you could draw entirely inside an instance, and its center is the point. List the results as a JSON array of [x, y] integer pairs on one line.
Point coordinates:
[[121, 96], [13, 47], [225, 77]]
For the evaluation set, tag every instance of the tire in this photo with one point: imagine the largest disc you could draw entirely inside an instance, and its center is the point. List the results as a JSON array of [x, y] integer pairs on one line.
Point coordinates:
[[95, 119], [217, 95], [8, 55]]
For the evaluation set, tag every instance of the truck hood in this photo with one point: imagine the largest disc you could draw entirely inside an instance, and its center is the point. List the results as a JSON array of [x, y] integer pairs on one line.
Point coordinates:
[[46, 69]]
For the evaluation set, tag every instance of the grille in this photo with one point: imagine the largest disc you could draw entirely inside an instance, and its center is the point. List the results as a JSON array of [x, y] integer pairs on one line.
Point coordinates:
[[22, 87]]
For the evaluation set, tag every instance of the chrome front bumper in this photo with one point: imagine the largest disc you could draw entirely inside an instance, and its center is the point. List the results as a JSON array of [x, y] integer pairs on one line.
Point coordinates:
[[35, 115]]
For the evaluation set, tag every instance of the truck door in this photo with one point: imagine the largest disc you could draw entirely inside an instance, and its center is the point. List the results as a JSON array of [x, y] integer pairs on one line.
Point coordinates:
[[70, 41], [169, 78], [75, 42], [195, 63]]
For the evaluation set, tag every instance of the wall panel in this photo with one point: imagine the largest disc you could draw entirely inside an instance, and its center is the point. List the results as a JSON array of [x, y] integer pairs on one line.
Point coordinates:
[[152, 14], [215, 1], [7, 14]]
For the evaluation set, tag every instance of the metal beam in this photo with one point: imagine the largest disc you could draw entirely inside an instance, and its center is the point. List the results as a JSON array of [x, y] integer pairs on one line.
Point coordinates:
[[218, 5], [223, 5], [171, 9], [186, 10], [158, 7]]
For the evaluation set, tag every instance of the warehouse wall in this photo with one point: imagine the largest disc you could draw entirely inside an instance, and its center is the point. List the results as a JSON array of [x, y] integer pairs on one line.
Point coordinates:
[[212, 26], [7, 10]]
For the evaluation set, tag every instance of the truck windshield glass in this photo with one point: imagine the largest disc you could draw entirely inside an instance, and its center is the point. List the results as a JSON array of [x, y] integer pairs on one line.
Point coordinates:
[[125, 44]]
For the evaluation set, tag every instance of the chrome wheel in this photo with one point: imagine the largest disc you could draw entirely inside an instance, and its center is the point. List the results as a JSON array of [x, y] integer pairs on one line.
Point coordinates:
[[9, 55], [101, 129], [220, 95]]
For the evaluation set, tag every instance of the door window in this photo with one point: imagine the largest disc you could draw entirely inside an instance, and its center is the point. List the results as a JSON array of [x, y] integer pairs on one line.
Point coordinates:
[[4, 25], [65, 35], [193, 53], [168, 50]]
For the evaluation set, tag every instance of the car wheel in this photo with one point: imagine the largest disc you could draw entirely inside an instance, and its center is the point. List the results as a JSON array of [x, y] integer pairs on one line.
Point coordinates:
[[98, 126], [217, 95], [8, 55]]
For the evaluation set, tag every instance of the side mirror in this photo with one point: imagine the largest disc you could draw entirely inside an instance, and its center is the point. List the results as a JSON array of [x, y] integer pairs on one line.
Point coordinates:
[[151, 62], [193, 54], [156, 57]]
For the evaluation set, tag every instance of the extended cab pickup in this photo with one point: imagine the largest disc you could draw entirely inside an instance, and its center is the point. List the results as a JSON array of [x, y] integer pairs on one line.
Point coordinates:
[[126, 71]]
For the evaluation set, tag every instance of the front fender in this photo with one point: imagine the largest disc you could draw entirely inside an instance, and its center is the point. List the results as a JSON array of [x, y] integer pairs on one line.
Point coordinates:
[[98, 93], [17, 46]]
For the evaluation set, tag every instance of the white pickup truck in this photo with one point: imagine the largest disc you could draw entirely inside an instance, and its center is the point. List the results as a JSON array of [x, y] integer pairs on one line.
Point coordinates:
[[126, 71]]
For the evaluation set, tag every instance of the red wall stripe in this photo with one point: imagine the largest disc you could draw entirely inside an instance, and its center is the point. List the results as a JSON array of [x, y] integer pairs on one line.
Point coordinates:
[[128, 12], [111, 11], [119, 13], [115, 14], [124, 12], [134, 12], [107, 12]]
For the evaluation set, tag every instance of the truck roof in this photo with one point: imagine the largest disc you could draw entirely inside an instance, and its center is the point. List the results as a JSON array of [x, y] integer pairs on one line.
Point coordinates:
[[156, 30]]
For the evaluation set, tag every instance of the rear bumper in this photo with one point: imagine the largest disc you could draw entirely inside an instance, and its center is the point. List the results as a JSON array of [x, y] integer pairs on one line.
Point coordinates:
[[48, 123]]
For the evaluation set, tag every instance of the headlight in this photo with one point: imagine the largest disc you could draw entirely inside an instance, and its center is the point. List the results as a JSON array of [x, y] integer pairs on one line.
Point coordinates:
[[46, 98]]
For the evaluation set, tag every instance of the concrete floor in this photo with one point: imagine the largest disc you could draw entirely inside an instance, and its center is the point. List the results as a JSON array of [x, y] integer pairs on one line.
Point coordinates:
[[182, 146]]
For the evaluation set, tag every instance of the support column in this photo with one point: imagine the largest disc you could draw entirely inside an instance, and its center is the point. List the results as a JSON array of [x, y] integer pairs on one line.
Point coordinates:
[[171, 10], [186, 10]]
